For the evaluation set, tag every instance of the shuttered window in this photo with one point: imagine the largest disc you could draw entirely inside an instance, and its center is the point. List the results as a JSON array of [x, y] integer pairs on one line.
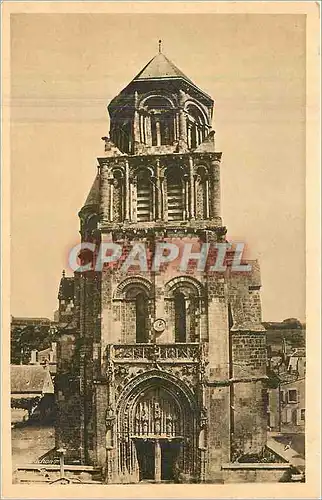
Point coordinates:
[[175, 197], [144, 195], [292, 396]]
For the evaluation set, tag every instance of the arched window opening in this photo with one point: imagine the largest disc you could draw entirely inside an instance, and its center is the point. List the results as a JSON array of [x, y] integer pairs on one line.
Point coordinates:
[[180, 318], [175, 195], [125, 137], [196, 127], [193, 136], [144, 196], [161, 126], [141, 315], [121, 132]]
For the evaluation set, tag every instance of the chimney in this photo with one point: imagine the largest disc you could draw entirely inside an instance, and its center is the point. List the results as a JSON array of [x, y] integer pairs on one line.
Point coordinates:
[[34, 357]]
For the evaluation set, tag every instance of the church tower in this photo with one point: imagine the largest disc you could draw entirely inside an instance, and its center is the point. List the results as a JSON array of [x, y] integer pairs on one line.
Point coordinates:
[[162, 373]]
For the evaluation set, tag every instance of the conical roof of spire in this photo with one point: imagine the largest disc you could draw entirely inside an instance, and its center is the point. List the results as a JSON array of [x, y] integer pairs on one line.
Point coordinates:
[[160, 67], [157, 69]]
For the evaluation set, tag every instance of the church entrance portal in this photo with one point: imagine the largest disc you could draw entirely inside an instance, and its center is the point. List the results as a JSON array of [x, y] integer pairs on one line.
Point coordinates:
[[157, 459], [157, 433]]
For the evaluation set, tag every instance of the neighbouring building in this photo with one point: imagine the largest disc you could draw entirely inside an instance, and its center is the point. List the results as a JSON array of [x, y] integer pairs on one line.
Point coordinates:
[[29, 336], [287, 364], [46, 356], [161, 374], [23, 322], [32, 389]]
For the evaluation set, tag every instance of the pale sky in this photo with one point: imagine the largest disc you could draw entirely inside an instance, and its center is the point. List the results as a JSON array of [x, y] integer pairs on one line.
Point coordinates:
[[65, 68]]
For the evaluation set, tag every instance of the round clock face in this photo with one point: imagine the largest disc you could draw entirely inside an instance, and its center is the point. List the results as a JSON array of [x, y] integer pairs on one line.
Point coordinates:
[[159, 325]]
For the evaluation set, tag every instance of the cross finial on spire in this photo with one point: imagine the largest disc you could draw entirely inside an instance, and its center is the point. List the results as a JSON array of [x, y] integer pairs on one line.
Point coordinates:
[[160, 46]]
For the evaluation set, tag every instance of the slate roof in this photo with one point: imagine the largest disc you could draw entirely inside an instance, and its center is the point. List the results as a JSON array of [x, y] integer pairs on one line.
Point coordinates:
[[66, 288], [26, 379], [93, 195], [160, 67], [287, 324], [21, 321], [299, 353]]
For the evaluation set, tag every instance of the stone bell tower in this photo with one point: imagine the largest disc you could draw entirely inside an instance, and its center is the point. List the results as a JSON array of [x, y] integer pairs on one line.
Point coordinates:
[[168, 365]]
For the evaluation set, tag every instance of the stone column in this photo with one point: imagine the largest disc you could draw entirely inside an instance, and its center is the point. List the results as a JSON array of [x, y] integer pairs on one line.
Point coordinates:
[[215, 189], [136, 121], [182, 121], [158, 191], [105, 193], [148, 130], [127, 190], [142, 127], [157, 461], [164, 207], [186, 191], [134, 212], [207, 198], [191, 189], [111, 186], [158, 131], [189, 136], [177, 131], [153, 208]]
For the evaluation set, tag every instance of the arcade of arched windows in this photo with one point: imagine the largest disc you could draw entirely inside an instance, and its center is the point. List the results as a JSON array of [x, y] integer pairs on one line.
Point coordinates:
[[160, 121], [184, 311], [171, 194]]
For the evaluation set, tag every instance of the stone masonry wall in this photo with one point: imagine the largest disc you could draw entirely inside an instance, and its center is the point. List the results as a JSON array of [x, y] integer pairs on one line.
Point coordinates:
[[67, 430], [219, 431]]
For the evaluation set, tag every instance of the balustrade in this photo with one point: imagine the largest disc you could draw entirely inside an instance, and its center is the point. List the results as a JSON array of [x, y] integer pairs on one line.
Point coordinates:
[[162, 352]]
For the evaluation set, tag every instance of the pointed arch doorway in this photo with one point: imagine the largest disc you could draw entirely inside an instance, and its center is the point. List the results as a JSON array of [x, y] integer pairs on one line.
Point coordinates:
[[157, 438]]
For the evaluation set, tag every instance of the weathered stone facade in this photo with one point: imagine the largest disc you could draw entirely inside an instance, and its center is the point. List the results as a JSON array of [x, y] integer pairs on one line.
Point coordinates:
[[161, 374]]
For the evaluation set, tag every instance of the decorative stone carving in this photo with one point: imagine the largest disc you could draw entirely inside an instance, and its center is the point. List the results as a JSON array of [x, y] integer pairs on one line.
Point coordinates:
[[153, 352], [110, 371], [121, 371], [109, 417], [189, 370], [203, 418]]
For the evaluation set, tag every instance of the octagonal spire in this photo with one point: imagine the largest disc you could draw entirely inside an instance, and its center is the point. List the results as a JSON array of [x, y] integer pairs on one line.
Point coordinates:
[[160, 67]]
